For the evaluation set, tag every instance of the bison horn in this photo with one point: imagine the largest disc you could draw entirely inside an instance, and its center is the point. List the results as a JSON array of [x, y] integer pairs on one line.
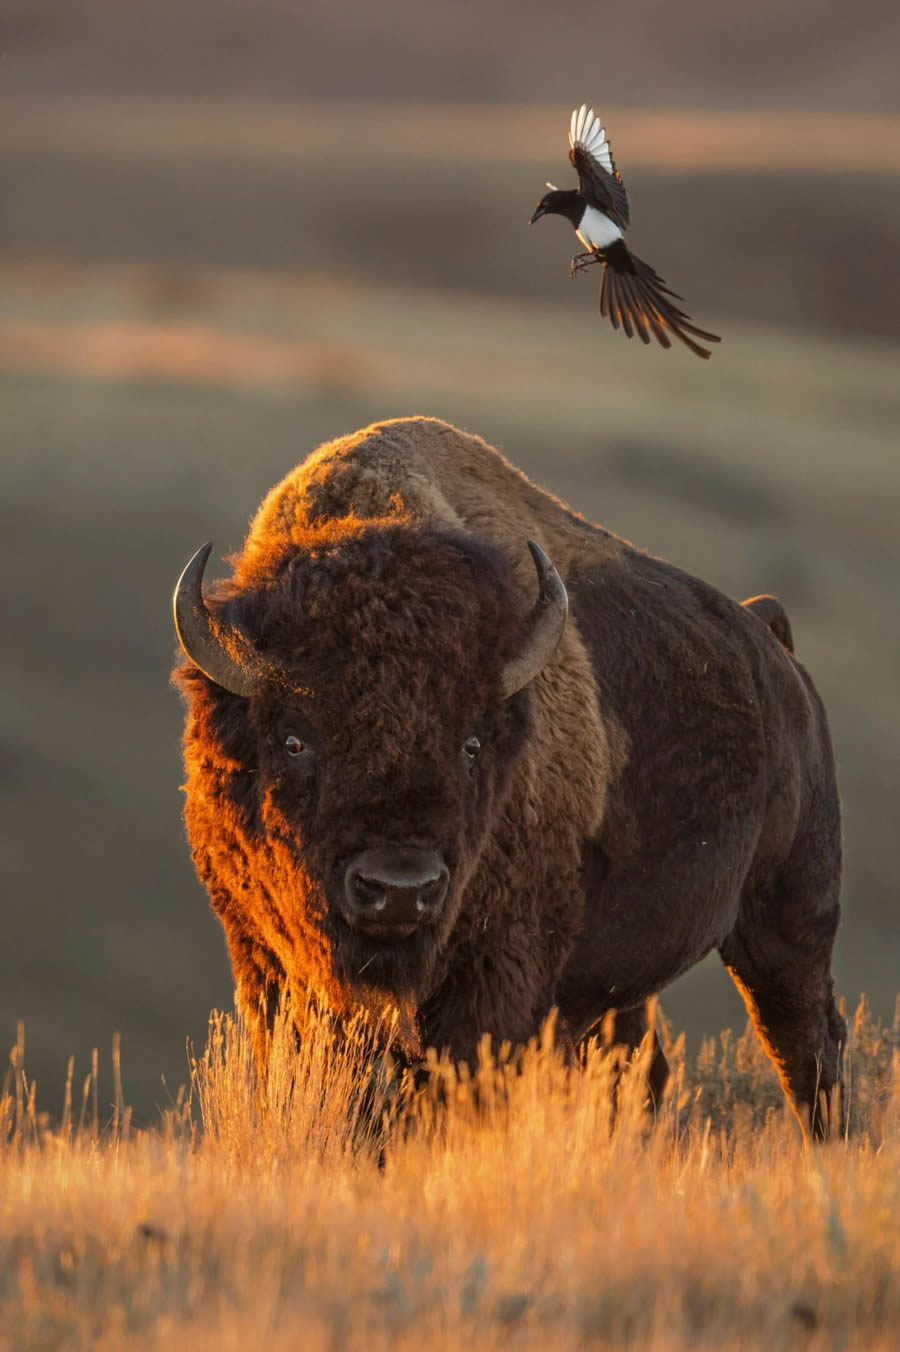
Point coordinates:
[[544, 627], [205, 642]]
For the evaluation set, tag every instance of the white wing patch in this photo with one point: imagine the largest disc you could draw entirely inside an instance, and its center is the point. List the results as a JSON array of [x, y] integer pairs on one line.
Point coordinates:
[[585, 130]]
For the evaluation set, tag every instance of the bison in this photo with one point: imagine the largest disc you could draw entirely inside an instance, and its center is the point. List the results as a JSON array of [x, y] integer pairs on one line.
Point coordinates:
[[428, 783]]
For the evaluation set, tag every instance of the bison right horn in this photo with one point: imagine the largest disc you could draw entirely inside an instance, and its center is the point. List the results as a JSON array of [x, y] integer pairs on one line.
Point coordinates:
[[220, 652], [544, 627]]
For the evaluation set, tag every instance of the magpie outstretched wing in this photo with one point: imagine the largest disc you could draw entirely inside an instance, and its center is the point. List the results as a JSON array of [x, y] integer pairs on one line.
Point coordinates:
[[599, 181]]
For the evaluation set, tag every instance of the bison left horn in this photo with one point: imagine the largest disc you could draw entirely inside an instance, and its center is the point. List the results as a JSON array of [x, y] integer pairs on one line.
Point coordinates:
[[221, 653], [544, 627]]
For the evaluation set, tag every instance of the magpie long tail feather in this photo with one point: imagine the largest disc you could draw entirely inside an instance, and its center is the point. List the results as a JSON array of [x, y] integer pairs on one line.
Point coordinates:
[[643, 317], [634, 294], [654, 298], [636, 312], [659, 332], [604, 298], [618, 315], [621, 311]]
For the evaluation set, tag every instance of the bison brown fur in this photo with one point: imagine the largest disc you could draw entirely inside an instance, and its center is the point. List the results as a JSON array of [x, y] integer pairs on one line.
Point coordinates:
[[380, 814]]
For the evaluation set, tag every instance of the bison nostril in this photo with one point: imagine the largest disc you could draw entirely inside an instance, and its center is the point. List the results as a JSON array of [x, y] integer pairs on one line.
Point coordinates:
[[432, 893], [370, 893]]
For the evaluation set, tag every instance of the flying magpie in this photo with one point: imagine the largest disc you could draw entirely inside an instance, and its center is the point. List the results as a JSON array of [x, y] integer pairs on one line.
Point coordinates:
[[631, 293]]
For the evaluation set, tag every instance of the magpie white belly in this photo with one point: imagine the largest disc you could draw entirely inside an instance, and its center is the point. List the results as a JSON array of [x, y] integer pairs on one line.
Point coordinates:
[[597, 231]]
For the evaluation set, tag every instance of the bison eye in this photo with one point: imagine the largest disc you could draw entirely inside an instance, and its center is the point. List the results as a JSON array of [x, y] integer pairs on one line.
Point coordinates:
[[472, 747], [293, 746]]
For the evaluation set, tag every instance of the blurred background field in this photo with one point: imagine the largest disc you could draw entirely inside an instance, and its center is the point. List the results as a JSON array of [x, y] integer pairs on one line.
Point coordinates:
[[227, 233]]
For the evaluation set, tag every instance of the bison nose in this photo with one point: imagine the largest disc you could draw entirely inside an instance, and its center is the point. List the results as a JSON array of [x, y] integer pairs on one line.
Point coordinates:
[[391, 890]]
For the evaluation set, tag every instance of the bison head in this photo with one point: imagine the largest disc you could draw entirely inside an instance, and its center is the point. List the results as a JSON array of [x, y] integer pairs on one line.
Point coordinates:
[[357, 703]]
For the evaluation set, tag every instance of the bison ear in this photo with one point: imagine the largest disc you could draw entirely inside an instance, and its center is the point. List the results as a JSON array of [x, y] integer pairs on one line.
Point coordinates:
[[543, 629], [221, 653]]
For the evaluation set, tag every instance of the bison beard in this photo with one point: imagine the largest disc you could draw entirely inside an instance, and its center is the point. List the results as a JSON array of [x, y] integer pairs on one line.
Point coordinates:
[[413, 787]]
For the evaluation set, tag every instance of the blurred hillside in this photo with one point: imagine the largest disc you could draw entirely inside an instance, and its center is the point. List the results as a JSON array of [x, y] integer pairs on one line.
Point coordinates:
[[195, 291], [692, 53]]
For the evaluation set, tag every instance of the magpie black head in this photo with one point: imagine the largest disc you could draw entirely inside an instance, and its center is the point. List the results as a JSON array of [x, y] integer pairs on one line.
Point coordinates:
[[557, 202]]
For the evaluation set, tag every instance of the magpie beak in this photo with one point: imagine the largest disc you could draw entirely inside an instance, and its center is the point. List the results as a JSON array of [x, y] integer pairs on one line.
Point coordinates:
[[539, 211]]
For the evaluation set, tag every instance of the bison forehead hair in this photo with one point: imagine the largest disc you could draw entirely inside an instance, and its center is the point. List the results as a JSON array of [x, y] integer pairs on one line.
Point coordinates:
[[427, 610], [385, 646]]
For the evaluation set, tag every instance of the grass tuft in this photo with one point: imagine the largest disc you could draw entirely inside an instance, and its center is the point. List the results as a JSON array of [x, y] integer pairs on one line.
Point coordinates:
[[339, 1206]]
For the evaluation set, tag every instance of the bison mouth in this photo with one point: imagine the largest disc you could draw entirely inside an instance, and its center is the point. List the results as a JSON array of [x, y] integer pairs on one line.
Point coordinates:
[[397, 959], [386, 934]]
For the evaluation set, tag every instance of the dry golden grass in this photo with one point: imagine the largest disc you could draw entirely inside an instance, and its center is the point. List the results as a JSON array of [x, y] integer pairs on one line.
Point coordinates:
[[528, 1220]]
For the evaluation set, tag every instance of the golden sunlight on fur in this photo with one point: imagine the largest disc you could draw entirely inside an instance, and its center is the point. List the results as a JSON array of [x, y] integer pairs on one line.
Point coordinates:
[[509, 1209]]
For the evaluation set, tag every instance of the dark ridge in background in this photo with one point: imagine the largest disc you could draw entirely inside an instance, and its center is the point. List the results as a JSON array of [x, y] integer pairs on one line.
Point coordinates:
[[698, 53]]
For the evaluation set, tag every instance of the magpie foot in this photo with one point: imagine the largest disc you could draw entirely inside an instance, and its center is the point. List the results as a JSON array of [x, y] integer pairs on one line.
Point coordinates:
[[581, 262]]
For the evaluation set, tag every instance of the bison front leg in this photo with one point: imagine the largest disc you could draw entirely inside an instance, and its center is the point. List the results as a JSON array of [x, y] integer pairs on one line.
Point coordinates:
[[627, 1028]]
